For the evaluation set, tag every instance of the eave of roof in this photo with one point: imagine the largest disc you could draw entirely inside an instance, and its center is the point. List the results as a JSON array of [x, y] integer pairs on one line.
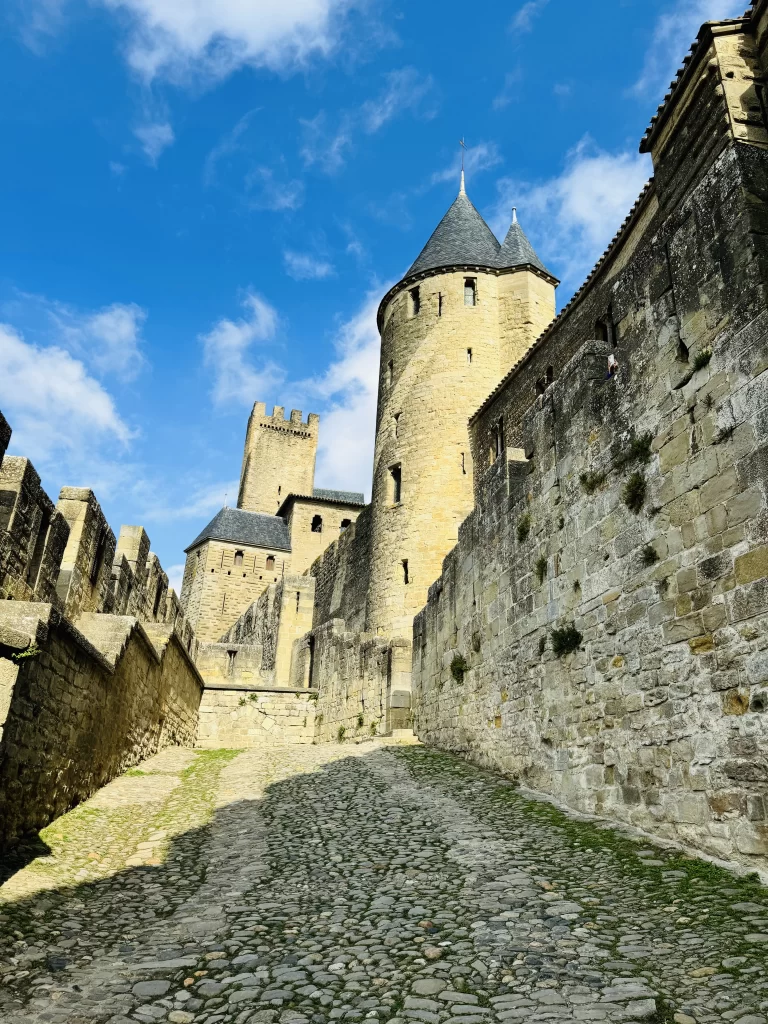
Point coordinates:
[[251, 529], [313, 499]]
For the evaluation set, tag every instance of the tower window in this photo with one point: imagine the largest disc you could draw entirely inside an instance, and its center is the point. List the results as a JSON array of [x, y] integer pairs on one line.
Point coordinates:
[[270, 562], [470, 291], [231, 658], [396, 484], [317, 524], [469, 355], [406, 577], [439, 303], [238, 558], [345, 524], [463, 464], [497, 441], [390, 373], [415, 301], [396, 419]]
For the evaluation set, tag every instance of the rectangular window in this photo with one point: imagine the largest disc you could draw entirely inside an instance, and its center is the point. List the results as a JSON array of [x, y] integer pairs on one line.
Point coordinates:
[[469, 355], [395, 484], [406, 578], [439, 303], [499, 438], [415, 301], [470, 291], [390, 373], [396, 420]]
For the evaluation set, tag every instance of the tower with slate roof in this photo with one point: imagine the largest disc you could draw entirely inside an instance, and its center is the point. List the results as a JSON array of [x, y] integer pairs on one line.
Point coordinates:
[[464, 313]]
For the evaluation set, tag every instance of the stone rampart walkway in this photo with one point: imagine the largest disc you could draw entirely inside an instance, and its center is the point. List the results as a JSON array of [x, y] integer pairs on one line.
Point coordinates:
[[313, 884]]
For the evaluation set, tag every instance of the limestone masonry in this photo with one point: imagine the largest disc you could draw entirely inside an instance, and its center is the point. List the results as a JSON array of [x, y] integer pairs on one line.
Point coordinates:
[[562, 572]]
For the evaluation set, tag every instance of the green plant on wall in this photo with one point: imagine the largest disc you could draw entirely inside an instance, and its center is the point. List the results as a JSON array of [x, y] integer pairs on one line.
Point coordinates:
[[523, 528], [28, 652], [701, 359], [341, 733], [591, 481], [638, 450], [360, 721], [458, 667], [633, 493], [566, 640], [650, 555]]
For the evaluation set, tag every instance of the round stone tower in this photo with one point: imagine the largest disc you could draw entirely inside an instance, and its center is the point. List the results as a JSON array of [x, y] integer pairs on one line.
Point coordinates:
[[464, 313]]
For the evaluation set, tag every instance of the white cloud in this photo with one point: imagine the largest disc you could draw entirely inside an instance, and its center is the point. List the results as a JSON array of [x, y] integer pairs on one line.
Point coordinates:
[[348, 391], [175, 574], [228, 349], [325, 148], [304, 267], [109, 339], [154, 138], [200, 500], [271, 194], [507, 94], [42, 20], [117, 168], [481, 157], [177, 39], [572, 218], [405, 90], [55, 407], [228, 145], [673, 35], [525, 17]]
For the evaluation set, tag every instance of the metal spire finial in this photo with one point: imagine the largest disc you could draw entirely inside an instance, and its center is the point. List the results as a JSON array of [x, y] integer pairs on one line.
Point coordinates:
[[514, 215], [462, 190]]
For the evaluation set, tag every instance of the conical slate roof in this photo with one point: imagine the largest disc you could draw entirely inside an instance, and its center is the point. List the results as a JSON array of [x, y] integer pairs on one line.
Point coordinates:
[[461, 237], [517, 251]]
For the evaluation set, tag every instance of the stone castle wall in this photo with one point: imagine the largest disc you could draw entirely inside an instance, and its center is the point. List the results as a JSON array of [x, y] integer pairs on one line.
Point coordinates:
[[240, 718], [658, 717], [81, 705], [308, 544], [341, 576]]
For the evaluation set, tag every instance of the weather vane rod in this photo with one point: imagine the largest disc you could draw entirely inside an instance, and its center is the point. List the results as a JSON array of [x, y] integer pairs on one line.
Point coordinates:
[[463, 145]]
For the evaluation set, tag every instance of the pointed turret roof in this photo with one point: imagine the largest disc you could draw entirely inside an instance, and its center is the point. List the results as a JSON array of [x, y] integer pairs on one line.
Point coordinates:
[[461, 238], [517, 251]]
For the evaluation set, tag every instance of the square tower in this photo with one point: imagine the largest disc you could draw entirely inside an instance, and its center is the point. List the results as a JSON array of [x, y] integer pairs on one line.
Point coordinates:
[[279, 458]]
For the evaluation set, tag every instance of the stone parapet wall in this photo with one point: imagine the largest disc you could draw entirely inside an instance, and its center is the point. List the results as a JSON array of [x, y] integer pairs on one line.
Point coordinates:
[[341, 576], [362, 681], [241, 718], [658, 716], [83, 705]]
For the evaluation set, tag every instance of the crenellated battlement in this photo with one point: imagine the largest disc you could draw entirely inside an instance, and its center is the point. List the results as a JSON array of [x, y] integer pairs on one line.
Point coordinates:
[[278, 420]]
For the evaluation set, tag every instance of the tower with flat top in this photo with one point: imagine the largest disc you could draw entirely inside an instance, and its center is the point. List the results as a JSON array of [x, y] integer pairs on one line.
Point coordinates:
[[279, 458]]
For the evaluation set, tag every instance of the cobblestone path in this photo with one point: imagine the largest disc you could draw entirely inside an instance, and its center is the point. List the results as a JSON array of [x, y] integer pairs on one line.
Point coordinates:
[[392, 884]]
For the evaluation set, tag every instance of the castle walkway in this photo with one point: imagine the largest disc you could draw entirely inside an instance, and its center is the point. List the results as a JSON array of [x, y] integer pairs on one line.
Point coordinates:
[[336, 883]]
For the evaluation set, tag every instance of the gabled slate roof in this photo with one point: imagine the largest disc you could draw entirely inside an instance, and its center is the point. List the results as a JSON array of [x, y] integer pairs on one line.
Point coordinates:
[[517, 251], [462, 237], [345, 497], [252, 529]]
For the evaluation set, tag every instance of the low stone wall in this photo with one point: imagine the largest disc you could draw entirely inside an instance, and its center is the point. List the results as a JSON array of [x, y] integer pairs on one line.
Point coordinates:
[[362, 681], [240, 718], [84, 705]]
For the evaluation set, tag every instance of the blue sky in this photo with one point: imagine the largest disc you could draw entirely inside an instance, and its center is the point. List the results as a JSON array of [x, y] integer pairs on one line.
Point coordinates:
[[202, 203]]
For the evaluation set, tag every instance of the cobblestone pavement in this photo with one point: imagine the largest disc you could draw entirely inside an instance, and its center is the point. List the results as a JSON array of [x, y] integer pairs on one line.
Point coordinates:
[[330, 883]]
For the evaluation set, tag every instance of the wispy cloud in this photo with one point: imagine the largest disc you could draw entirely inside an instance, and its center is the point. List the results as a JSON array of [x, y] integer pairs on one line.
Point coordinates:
[[200, 500], [41, 21], [324, 147], [572, 217], [405, 89], [234, 141], [525, 17], [507, 94], [228, 352], [154, 138], [267, 192], [478, 158], [304, 267], [674, 32]]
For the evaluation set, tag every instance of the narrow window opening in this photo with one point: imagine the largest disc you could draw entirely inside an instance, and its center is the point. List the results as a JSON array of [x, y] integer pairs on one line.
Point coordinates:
[[279, 490], [439, 303], [541, 386], [550, 374], [406, 577], [222, 560], [231, 657], [311, 673], [497, 440], [396, 418], [158, 595], [98, 556], [298, 599], [345, 524], [238, 558], [415, 301], [463, 464], [469, 355], [270, 562], [317, 524], [390, 372], [601, 331], [470, 291], [396, 484], [35, 565]]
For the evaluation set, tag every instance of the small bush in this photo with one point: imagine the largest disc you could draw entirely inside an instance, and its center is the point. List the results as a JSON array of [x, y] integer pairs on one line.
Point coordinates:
[[341, 733], [373, 727], [542, 646], [458, 667], [633, 494], [477, 641], [523, 528], [360, 721], [541, 568], [565, 640], [28, 652], [650, 555], [702, 359], [591, 481], [638, 450], [576, 587]]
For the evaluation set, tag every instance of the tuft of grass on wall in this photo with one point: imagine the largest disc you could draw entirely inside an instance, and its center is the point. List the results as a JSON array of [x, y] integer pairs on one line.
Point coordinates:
[[638, 450], [541, 568], [341, 733], [459, 667], [591, 481], [523, 528], [650, 555], [566, 640], [701, 359], [633, 493]]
